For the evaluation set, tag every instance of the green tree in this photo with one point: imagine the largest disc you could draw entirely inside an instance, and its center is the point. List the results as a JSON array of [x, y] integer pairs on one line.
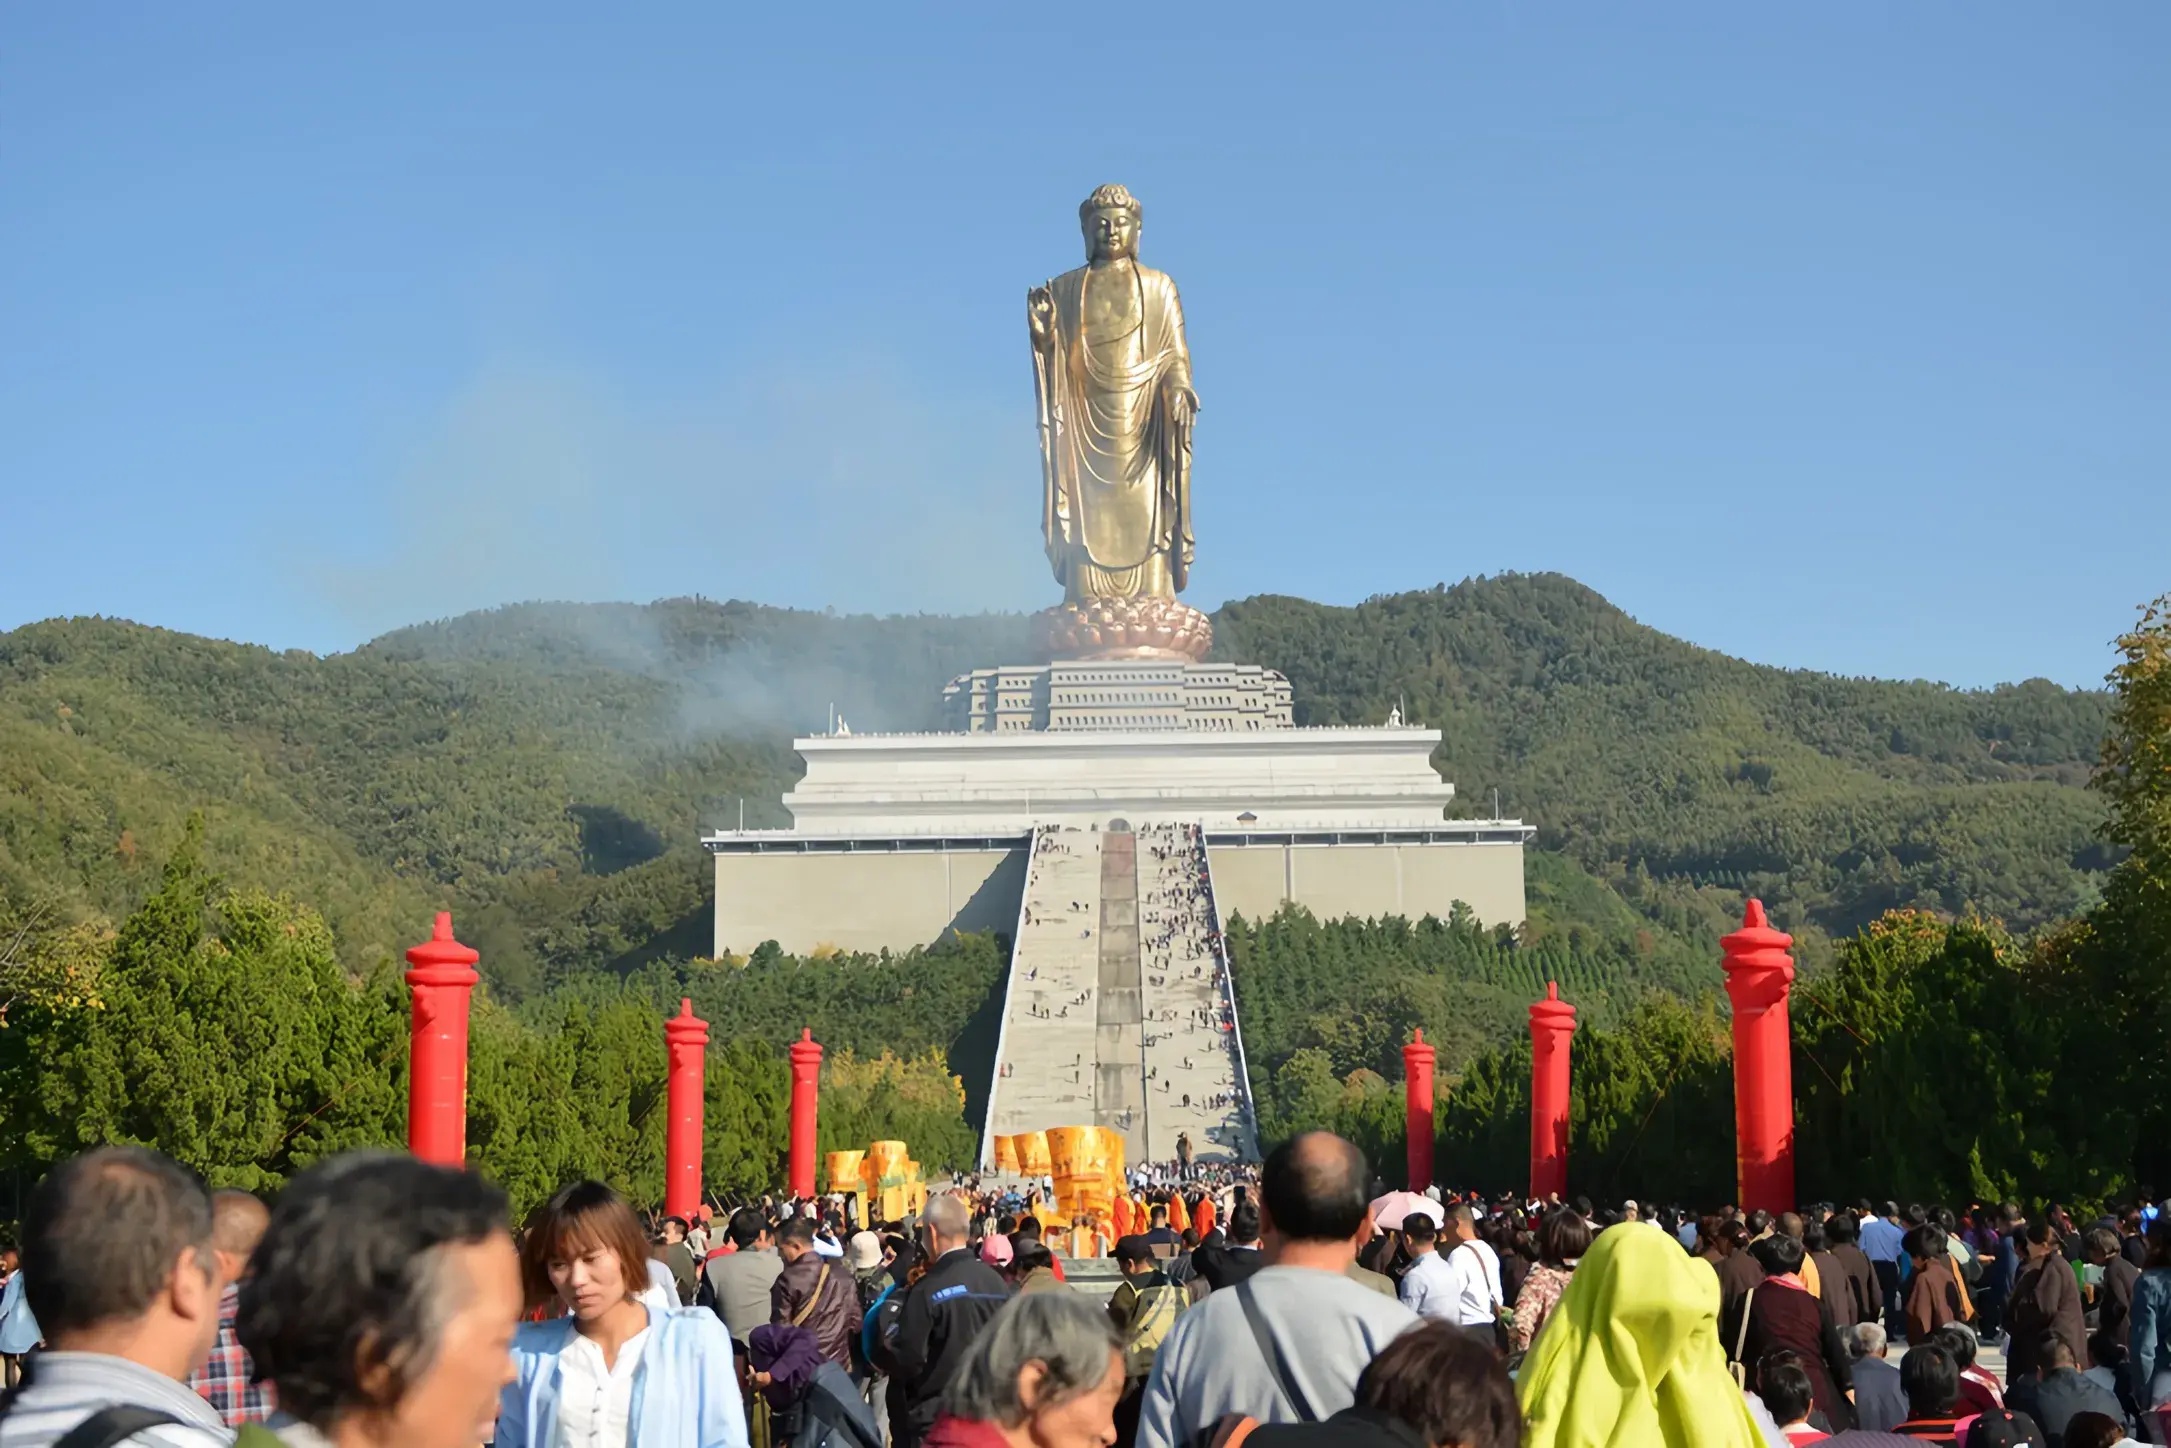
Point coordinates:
[[230, 1038], [2121, 953]]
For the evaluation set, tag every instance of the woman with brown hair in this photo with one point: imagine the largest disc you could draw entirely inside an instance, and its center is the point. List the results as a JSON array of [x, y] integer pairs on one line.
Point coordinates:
[[2045, 1298], [1781, 1313], [614, 1372], [1563, 1238]]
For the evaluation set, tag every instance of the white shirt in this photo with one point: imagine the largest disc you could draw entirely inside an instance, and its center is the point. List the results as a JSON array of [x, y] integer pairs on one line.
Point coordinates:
[[662, 1293], [1430, 1287], [1476, 1269], [595, 1403]]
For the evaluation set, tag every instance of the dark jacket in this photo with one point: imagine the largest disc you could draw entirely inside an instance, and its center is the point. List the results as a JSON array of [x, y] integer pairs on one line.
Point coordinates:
[[2060, 1394], [1229, 1266], [943, 1312], [1880, 1405], [1833, 1288], [821, 1295], [1350, 1428], [2114, 1304], [1737, 1274], [1933, 1299], [2045, 1299], [833, 1414], [1783, 1314], [1864, 1296]]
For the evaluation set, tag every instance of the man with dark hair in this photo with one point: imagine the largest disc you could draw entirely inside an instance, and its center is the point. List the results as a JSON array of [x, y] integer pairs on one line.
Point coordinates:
[[1144, 1307], [381, 1304], [815, 1293], [227, 1378], [1473, 1269], [678, 1258], [1784, 1385], [1428, 1283], [1288, 1344], [2056, 1390], [1931, 1380], [1158, 1232], [119, 1267], [1881, 1237], [1238, 1256], [740, 1280]]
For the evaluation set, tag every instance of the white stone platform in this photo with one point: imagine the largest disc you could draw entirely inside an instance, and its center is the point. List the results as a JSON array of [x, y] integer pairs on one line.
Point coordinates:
[[969, 784]]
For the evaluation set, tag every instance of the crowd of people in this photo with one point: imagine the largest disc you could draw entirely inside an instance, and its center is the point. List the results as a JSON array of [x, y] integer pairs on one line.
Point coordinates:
[[380, 1300]]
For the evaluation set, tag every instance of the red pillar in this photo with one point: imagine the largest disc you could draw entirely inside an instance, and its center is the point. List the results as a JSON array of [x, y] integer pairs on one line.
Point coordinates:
[[686, 1038], [1759, 975], [1417, 1059], [806, 1056], [441, 976], [1552, 1023]]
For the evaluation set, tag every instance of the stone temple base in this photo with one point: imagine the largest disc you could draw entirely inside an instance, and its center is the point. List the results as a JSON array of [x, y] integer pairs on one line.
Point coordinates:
[[1123, 628]]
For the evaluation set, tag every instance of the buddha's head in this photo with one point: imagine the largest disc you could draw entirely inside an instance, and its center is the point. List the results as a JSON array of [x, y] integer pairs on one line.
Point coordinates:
[[1110, 218]]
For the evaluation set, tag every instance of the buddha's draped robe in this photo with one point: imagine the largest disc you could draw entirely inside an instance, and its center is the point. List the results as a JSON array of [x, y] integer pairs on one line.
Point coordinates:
[[1116, 464]]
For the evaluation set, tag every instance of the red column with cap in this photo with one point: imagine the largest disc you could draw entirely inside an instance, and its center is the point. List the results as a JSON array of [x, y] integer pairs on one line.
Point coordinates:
[[441, 976], [686, 1038], [1417, 1062], [1759, 977], [1552, 1025], [806, 1054]]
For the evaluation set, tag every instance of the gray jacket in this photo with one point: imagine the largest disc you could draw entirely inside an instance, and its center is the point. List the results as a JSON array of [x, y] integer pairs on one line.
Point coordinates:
[[740, 1282], [1326, 1327], [64, 1388]]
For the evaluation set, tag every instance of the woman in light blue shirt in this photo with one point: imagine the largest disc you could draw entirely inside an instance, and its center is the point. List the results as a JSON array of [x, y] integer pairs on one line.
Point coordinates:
[[19, 1331], [614, 1372]]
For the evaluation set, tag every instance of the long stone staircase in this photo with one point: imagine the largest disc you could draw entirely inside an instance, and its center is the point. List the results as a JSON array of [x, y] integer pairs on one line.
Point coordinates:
[[1196, 1084], [1046, 1070], [1118, 1011]]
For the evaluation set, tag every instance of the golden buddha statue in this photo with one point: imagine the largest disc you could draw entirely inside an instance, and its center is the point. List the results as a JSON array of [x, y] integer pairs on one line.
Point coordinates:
[[1113, 380]]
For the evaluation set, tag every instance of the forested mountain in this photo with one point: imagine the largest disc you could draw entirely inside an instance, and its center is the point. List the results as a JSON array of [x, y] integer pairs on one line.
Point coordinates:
[[544, 769]]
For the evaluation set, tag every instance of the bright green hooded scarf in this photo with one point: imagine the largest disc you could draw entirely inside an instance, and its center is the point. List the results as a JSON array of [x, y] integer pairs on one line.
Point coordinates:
[[1630, 1358]]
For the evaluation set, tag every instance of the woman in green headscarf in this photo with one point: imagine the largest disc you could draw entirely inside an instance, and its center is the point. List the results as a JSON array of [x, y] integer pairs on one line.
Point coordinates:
[[1631, 1356]]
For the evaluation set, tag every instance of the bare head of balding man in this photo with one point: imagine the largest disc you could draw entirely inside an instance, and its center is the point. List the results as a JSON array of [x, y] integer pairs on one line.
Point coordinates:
[[238, 1221], [1311, 1195], [949, 1223]]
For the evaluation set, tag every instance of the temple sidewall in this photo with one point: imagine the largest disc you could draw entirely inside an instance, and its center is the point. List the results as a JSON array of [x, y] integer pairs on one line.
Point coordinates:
[[1370, 880], [865, 902], [871, 899]]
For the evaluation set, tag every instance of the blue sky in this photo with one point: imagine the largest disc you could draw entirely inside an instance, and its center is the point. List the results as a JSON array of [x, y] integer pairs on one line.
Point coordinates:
[[1837, 338]]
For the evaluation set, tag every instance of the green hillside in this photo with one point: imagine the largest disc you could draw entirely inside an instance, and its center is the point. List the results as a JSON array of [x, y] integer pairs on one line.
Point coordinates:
[[544, 769]]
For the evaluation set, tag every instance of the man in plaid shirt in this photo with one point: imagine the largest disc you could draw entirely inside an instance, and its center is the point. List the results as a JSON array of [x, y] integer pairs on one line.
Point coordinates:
[[237, 1225]]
